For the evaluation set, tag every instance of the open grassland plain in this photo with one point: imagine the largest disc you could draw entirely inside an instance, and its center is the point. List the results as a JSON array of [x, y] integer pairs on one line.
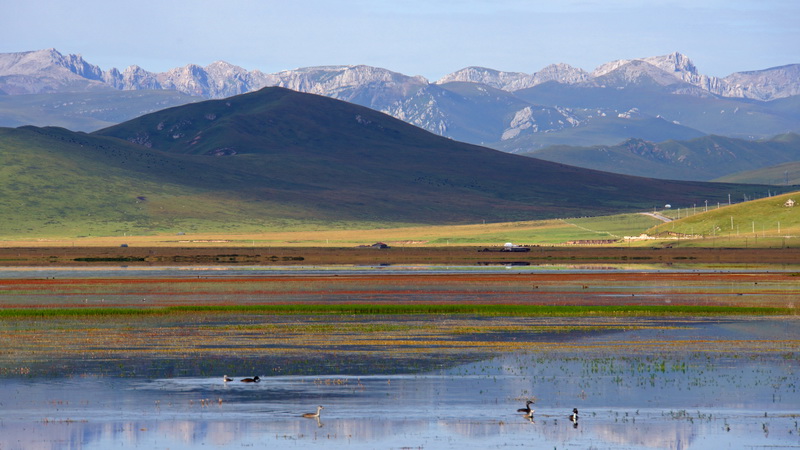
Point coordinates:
[[350, 234], [764, 223]]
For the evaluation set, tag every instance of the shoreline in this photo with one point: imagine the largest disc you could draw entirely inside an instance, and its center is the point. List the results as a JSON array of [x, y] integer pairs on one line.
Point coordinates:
[[461, 255]]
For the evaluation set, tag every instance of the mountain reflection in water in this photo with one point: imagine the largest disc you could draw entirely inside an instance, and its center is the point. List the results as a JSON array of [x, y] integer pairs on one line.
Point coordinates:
[[630, 402]]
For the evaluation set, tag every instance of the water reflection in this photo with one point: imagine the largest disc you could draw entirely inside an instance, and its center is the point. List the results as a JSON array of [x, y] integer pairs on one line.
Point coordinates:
[[498, 267], [677, 402]]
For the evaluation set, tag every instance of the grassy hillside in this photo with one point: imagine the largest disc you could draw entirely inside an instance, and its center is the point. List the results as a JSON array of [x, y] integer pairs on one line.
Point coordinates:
[[281, 160], [58, 183], [741, 224], [787, 174], [704, 158], [85, 111]]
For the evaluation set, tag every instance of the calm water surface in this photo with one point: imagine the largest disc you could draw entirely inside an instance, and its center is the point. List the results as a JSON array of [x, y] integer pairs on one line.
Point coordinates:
[[229, 270], [696, 401]]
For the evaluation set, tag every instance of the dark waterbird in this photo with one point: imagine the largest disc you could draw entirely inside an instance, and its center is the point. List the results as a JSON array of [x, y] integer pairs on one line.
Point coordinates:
[[527, 409], [255, 379]]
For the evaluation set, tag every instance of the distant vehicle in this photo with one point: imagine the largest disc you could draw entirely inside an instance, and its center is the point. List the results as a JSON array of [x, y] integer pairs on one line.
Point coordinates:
[[509, 247], [378, 245]]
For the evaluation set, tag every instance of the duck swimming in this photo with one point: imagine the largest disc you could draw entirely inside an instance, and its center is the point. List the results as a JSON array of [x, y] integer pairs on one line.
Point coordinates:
[[313, 415], [255, 379], [225, 379], [527, 409], [574, 416]]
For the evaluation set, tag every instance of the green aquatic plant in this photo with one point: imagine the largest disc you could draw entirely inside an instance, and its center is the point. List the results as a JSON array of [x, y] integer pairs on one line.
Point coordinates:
[[411, 309]]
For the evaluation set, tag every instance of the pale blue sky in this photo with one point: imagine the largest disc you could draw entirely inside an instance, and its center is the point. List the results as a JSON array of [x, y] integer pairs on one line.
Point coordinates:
[[414, 37]]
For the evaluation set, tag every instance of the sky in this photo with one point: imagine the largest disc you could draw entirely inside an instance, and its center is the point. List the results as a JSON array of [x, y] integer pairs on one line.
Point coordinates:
[[415, 37]]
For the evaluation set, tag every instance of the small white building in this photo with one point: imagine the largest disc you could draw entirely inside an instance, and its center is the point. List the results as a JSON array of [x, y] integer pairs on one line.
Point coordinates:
[[789, 203]]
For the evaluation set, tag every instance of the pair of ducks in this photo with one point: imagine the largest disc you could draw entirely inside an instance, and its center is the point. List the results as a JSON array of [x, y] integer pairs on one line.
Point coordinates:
[[529, 412], [255, 379]]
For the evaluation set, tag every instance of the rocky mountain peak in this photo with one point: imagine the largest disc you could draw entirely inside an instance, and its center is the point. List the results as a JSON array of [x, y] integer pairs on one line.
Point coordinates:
[[674, 62], [635, 72], [138, 77], [514, 81], [222, 68], [676, 65], [48, 71], [49, 60], [561, 73], [353, 83], [767, 84], [507, 81]]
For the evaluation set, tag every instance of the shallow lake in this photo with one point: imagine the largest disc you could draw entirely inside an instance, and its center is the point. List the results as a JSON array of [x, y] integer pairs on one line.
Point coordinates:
[[636, 388], [668, 401]]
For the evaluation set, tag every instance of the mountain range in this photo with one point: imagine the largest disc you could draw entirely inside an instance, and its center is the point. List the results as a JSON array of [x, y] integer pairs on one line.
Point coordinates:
[[46, 71], [654, 98], [278, 158]]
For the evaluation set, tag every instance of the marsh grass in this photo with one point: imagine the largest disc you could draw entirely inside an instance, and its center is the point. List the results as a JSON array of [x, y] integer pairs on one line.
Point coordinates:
[[225, 340], [409, 309]]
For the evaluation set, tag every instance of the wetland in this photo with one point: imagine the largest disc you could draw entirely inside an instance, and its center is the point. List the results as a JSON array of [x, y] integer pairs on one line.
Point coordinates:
[[400, 356]]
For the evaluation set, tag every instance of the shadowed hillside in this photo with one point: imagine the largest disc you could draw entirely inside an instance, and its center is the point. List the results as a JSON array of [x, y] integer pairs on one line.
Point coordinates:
[[280, 159]]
